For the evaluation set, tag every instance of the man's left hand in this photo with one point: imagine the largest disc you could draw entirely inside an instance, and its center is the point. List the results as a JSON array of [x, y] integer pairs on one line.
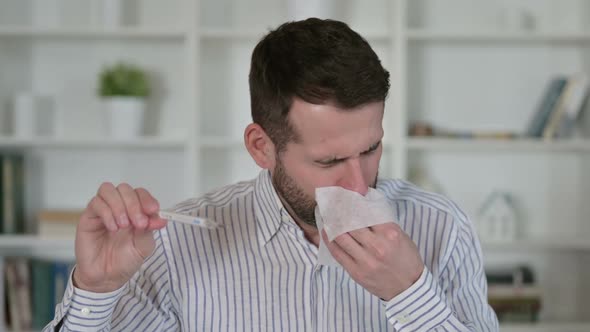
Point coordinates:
[[382, 258]]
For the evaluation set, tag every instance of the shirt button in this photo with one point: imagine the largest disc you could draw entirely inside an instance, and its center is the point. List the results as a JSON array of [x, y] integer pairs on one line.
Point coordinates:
[[85, 311], [403, 318]]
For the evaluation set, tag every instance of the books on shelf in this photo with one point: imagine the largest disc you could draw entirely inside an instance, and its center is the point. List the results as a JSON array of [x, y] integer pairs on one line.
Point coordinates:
[[33, 289], [546, 106], [513, 294], [58, 223], [12, 209], [18, 297], [425, 129], [556, 116], [563, 101]]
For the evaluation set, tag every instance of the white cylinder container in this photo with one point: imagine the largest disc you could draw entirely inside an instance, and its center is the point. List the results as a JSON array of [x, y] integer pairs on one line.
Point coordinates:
[[112, 13], [125, 116], [23, 115]]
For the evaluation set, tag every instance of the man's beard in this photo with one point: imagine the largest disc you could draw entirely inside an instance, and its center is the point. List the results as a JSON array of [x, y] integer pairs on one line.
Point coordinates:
[[301, 204]]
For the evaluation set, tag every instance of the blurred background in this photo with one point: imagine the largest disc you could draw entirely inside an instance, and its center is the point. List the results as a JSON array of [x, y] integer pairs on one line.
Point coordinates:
[[487, 106]]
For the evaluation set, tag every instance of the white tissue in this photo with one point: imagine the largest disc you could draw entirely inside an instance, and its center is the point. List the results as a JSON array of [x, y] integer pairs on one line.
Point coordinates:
[[339, 211]]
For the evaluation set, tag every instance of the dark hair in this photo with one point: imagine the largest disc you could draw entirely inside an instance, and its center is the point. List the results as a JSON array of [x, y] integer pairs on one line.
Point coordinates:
[[319, 61]]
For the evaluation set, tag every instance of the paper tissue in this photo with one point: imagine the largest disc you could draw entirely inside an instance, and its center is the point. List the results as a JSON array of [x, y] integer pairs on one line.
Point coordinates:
[[339, 211]]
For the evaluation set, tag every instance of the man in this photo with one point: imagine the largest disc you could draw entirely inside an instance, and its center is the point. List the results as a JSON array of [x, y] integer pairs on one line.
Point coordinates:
[[317, 98]]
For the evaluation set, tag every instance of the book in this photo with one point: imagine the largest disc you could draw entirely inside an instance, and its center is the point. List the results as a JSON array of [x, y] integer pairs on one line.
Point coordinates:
[[574, 108], [12, 194], [58, 223], [568, 106], [515, 303], [546, 106], [516, 275], [18, 285], [43, 291]]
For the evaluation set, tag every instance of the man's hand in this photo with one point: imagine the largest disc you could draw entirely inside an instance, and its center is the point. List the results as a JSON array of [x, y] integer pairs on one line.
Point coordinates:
[[381, 258], [114, 237]]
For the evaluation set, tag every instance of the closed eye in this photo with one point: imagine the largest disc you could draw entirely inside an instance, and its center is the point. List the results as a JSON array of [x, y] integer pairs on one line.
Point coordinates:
[[330, 162], [371, 149], [335, 161]]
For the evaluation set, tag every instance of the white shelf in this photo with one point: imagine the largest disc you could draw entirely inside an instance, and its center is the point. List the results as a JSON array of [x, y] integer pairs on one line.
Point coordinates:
[[546, 327], [85, 32], [549, 243], [485, 36], [508, 145], [221, 142], [249, 34], [212, 142], [38, 247], [143, 142], [223, 33]]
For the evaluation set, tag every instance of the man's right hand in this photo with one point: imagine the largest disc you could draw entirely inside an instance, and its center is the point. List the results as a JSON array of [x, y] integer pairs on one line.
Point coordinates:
[[114, 237]]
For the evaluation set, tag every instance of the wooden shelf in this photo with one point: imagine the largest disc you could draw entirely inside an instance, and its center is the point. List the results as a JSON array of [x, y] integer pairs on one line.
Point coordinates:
[[143, 142], [507, 145], [85, 32]]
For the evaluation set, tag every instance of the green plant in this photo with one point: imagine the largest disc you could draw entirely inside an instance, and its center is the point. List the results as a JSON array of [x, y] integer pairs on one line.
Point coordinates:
[[123, 79]]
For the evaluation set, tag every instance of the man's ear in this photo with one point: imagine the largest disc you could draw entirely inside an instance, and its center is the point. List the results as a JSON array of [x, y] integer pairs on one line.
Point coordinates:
[[260, 146]]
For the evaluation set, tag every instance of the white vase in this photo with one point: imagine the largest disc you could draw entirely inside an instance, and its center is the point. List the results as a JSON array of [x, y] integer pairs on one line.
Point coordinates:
[[111, 13], [125, 116], [302, 9], [23, 115]]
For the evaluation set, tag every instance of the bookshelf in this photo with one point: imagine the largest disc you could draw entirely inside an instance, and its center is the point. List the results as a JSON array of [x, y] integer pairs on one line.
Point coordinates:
[[453, 64], [465, 69]]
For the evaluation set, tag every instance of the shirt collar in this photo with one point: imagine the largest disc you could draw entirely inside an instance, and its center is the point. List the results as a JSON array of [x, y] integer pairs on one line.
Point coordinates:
[[268, 208]]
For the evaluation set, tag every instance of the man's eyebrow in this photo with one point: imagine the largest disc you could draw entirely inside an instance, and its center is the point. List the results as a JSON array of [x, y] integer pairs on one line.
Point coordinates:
[[333, 159]]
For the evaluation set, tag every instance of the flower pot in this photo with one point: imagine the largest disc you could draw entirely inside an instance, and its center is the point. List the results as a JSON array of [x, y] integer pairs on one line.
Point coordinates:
[[125, 116]]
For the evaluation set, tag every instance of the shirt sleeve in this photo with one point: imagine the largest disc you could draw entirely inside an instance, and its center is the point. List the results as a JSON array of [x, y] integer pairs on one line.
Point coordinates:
[[454, 300], [143, 304]]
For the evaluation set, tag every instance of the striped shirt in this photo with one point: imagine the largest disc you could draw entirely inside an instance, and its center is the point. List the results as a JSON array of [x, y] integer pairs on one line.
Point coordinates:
[[258, 273]]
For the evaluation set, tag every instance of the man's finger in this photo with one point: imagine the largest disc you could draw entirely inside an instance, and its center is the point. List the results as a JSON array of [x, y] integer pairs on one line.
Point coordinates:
[[149, 204], [109, 195], [134, 210], [338, 253], [352, 248], [364, 236], [99, 214]]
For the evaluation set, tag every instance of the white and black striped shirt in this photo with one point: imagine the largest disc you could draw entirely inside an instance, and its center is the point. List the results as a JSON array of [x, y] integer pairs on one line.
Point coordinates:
[[258, 273]]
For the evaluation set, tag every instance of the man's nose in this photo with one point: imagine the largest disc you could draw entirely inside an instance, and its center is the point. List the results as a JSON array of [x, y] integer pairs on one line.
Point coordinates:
[[354, 179]]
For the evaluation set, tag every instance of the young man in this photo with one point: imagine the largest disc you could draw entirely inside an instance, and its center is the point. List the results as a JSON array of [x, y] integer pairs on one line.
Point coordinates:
[[317, 97]]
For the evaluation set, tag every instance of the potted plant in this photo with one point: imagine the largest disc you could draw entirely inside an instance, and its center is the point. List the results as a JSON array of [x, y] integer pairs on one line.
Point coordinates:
[[124, 88]]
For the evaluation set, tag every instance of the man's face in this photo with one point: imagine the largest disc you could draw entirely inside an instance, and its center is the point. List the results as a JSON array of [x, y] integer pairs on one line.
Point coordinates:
[[336, 147]]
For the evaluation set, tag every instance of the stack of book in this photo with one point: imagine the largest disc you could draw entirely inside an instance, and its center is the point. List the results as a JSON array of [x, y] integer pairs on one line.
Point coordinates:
[[12, 209], [58, 223], [560, 108], [33, 289], [513, 294]]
